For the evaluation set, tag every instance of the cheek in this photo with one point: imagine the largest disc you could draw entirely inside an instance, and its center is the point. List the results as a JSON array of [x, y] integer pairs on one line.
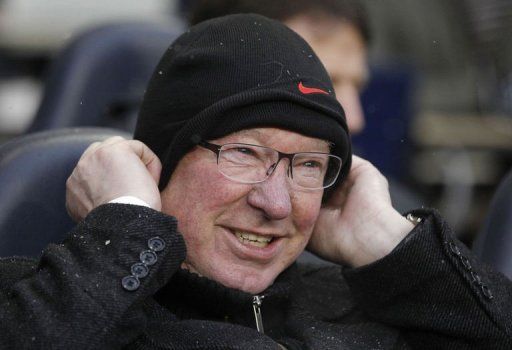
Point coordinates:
[[306, 209], [202, 196], [196, 190]]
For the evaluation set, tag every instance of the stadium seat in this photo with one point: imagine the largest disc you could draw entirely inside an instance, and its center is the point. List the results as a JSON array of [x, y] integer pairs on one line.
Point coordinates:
[[100, 77], [33, 173]]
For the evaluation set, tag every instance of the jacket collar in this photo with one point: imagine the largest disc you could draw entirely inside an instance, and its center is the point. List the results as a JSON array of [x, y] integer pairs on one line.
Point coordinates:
[[190, 296]]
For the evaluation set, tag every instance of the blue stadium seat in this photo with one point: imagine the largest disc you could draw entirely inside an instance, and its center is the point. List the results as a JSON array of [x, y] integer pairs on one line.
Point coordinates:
[[33, 173], [388, 107], [100, 78]]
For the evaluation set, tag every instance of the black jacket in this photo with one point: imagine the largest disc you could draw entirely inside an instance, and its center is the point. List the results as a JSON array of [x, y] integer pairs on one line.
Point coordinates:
[[429, 293]]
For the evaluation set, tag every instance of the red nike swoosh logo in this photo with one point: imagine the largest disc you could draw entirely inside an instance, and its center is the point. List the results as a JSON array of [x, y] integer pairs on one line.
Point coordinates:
[[309, 90]]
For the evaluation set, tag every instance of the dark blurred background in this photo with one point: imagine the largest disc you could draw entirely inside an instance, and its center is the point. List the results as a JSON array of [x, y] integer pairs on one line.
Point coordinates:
[[438, 104]]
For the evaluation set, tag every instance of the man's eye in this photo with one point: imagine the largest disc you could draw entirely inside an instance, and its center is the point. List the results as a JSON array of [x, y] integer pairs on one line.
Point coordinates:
[[311, 164], [245, 150]]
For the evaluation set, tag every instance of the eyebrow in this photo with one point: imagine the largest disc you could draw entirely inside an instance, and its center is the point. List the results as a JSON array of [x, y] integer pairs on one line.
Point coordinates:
[[248, 132], [257, 134]]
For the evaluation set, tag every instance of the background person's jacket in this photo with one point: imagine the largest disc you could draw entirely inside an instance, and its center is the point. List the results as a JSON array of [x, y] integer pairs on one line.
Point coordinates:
[[429, 293]]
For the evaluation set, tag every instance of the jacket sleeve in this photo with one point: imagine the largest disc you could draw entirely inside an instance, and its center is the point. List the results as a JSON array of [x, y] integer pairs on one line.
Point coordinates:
[[74, 297], [436, 292]]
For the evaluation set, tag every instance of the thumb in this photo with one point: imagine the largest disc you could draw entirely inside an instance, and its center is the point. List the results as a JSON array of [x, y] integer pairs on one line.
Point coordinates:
[[148, 157]]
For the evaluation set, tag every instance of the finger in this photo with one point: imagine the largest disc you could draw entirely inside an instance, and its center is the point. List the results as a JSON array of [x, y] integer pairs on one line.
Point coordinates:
[[356, 159], [112, 140], [98, 144], [148, 157], [92, 147]]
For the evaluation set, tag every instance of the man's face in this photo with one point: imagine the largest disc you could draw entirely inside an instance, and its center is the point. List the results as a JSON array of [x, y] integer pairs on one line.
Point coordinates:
[[212, 209], [342, 50]]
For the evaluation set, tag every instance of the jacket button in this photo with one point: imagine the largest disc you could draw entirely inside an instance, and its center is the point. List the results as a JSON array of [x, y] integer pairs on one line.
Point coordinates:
[[156, 244], [139, 270], [148, 257], [130, 283]]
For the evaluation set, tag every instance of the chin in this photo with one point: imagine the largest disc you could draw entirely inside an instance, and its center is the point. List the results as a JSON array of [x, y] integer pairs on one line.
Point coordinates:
[[248, 279]]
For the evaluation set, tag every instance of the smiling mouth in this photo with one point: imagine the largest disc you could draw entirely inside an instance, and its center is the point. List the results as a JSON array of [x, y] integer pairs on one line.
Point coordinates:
[[253, 239]]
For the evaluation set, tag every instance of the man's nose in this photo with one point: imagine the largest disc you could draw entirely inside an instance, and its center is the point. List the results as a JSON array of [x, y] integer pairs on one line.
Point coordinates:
[[272, 196]]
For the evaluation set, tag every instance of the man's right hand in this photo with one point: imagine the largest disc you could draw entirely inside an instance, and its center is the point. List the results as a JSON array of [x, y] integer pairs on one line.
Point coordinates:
[[111, 169]]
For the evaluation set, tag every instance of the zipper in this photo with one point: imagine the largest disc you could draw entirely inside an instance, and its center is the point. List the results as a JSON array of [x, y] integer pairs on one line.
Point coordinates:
[[256, 306]]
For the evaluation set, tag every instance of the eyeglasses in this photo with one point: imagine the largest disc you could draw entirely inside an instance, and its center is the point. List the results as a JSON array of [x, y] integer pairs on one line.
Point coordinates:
[[251, 164]]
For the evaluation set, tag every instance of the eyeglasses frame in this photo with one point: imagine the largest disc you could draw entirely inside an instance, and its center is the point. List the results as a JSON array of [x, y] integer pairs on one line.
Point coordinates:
[[281, 155]]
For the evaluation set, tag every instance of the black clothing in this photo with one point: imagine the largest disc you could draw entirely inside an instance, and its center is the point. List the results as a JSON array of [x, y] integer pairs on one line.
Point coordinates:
[[238, 72], [429, 293]]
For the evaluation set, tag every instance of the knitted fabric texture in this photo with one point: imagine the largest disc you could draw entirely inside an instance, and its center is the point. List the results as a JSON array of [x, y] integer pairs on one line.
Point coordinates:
[[421, 296], [233, 73]]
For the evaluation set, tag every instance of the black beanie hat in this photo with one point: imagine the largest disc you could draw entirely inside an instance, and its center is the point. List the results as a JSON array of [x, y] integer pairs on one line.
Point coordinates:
[[238, 72]]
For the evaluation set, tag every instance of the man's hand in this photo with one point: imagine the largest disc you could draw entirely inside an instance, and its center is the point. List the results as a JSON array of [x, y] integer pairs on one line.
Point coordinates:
[[110, 169], [358, 225]]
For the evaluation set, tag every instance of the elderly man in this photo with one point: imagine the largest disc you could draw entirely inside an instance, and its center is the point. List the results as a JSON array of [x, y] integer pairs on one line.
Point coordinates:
[[188, 236]]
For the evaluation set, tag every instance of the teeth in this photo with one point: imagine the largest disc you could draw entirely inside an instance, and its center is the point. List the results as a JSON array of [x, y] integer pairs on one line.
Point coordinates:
[[252, 239]]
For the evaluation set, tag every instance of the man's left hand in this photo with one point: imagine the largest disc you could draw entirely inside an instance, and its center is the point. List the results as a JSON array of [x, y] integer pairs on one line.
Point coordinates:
[[358, 225]]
